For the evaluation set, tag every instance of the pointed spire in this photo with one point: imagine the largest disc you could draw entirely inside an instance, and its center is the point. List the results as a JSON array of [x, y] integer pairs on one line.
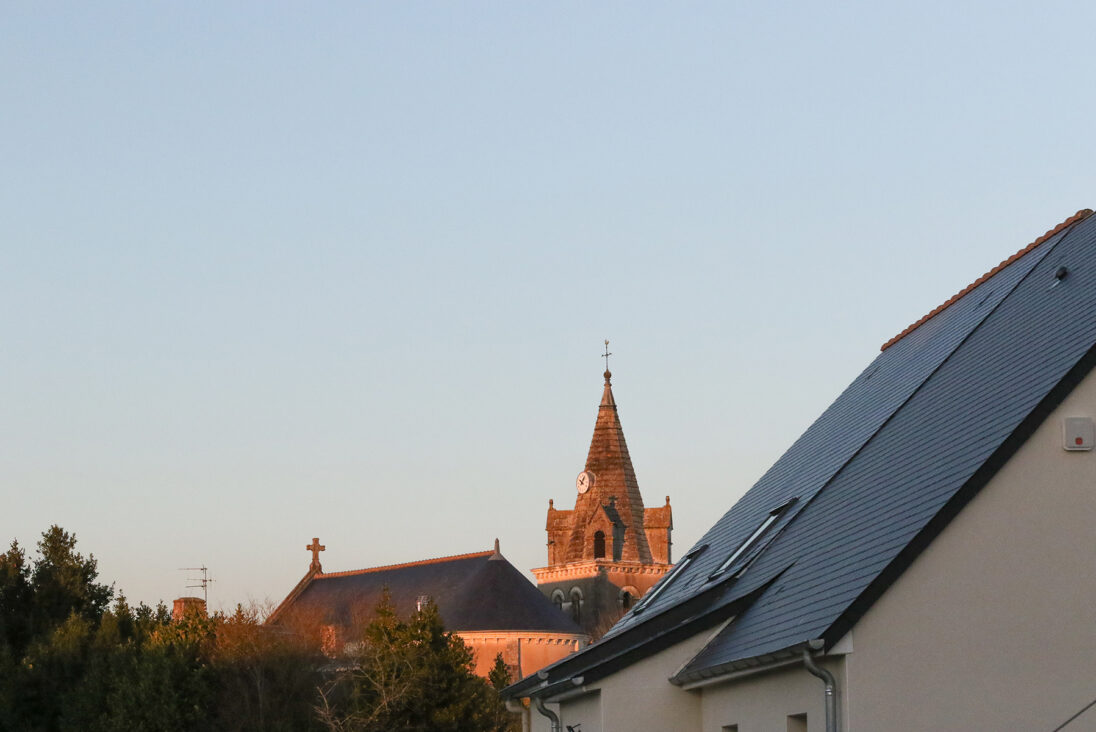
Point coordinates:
[[498, 554], [611, 465]]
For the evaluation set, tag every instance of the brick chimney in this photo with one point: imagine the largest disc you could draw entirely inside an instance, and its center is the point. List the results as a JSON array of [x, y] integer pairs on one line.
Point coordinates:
[[184, 606]]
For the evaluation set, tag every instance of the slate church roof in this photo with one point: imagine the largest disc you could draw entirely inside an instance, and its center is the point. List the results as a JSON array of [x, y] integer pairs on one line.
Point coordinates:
[[880, 473], [473, 592]]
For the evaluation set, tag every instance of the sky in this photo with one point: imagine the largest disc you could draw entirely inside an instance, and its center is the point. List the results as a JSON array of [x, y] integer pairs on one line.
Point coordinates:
[[271, 271]]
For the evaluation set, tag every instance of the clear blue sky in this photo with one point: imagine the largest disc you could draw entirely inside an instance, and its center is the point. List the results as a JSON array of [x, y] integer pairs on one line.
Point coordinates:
[[275, 271]]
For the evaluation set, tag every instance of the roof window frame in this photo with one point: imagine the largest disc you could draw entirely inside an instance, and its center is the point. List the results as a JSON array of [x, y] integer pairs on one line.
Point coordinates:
[[752, 541], [668, 580]]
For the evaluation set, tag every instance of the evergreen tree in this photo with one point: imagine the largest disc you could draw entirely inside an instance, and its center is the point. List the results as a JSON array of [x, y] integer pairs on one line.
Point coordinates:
[[16, 598], [63, 582], [499, 678]]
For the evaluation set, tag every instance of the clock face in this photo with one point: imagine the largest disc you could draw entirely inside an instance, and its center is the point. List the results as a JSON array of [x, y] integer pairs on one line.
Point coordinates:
[[584, 481]]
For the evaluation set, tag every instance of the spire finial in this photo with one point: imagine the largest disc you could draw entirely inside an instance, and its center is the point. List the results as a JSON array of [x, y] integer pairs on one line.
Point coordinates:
[[497, 554], [608, 374]]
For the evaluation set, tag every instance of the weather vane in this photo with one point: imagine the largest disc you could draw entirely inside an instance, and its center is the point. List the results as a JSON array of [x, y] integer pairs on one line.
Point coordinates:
[[606, 354]]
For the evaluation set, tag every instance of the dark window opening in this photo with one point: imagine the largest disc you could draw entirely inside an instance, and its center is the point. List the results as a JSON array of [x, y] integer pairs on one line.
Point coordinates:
[[599, 545], [576, 606], [626, 600]]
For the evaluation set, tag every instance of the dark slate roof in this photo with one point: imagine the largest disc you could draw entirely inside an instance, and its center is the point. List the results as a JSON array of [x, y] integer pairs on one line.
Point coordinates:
[[480, 591], [880, 472]]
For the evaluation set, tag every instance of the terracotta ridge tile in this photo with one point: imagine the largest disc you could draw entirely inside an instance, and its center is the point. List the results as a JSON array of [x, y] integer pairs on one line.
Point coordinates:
[[1075, 218], [386, 567]]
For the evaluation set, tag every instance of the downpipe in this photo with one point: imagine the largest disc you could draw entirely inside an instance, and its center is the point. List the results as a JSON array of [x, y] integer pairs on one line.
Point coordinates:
[[828, 679], [552, 716]]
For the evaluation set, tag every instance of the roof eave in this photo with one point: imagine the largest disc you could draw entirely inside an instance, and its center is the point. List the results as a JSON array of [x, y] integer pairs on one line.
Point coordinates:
[[671, 626], [740, 667], [292, 596]]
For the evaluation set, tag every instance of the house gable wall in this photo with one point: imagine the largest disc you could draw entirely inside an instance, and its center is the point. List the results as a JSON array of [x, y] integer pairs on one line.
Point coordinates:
[[992, 627]]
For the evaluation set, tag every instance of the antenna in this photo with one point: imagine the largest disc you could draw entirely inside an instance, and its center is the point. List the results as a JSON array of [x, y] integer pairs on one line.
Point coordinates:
[[203, 582]]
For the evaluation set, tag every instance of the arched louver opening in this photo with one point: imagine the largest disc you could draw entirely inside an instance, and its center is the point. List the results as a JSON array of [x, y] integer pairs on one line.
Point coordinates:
[[557, 599]]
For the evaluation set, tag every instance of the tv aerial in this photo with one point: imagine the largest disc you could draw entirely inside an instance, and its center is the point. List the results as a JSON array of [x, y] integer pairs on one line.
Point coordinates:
[[201, 582]]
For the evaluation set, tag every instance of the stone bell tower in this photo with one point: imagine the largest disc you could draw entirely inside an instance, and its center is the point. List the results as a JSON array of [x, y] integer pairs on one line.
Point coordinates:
[[609, 550]]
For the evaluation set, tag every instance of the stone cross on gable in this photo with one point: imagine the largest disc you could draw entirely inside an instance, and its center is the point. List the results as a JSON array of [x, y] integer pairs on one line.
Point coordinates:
[[315, 547]]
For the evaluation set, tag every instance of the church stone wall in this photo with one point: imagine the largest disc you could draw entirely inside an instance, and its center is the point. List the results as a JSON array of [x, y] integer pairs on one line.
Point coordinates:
[[607, 589], [524, 653]]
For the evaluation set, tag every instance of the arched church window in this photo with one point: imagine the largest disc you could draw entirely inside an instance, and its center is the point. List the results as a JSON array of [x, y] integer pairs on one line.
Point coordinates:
[[599, 545], [576, 604], [557, 599]]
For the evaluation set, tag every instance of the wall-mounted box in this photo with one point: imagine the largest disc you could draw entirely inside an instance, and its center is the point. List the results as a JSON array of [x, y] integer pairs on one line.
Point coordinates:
[[1078, 433]]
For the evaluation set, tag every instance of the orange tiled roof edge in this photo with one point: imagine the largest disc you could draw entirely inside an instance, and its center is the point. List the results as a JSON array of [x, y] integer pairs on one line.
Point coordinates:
[[1079, 216], [386, 567]]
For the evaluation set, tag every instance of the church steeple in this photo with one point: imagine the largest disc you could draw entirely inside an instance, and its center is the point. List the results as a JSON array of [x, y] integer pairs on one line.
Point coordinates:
[[606, 552], [614, 494]]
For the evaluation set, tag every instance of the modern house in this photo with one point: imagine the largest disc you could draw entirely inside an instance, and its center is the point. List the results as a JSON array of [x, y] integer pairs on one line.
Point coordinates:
[[923, 557]]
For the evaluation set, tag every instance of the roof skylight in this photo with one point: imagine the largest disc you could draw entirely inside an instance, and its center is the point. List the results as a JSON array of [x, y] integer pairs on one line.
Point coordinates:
[[754, 538], [668, 579]]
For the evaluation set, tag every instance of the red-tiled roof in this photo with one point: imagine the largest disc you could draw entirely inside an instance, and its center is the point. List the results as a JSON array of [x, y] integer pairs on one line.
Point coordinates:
[[387, 567], [1079, 216]]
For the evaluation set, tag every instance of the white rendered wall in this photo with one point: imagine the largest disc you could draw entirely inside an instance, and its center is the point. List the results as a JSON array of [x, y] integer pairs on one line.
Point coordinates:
[[641, 697], [763, 703], [993, 627]]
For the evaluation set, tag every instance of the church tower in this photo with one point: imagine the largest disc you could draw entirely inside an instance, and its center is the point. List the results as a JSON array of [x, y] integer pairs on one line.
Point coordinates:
[[609, 550]]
